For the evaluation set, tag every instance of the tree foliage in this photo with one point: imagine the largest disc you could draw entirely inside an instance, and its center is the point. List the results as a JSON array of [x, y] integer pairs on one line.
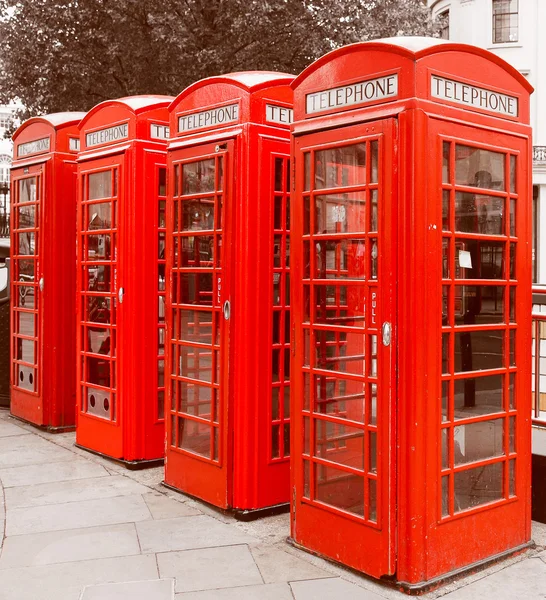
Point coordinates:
[[71, 54]]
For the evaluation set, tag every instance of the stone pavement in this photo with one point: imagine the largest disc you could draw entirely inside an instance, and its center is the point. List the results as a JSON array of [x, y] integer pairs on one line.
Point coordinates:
[[76, 527]]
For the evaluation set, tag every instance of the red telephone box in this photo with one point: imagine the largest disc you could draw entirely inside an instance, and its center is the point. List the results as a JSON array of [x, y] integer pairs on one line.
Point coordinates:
[[121, 279], [228, 298], [411, 273], [43, 245]]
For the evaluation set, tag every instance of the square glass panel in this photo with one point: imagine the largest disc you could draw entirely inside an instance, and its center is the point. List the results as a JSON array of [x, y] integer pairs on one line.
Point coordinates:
[[339, 489], [99, 247], [196, 288], [479, 259], [99, 216], [342, 398], [340, 259], [199, 177], [26, 243], [340, 213], [479, 305], [340, 167], [26, 216], [479, 350], [27, 190], [475, 167], [479, 214], [476, 396], [478, 441], [100, 185], [198, 215], [194, 436], [474, 487]]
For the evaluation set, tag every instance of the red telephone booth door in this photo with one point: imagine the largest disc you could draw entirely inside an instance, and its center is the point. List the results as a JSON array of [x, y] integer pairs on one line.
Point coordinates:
[[27, 193], [98, 258], [200, 242], [344, 382]]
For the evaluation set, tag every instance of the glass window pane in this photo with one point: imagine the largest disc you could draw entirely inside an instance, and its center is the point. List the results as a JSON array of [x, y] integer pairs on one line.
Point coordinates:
[[478, 441], [98, 309], [27, 190], [98, 247], [340, 397], [98, 278], [198, 214], [340, 213], [195, 399], [479, 214], [339, 489], [196, 363], [25, 325], [194, 437], [196, 326], [340, 167], [100, 185], [478, 486], [25, 350], [475, 167], [446, 200], [99, 216], [198, 177], [340, 305], [479, 259], [340, 259], [196, 288], [26, 216], [197, 251], [478, 305], [98, 340], [479, 350], [477, 396], [446, 148]]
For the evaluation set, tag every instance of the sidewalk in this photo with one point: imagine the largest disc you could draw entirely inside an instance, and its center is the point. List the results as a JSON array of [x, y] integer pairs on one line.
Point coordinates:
[[77, 527]]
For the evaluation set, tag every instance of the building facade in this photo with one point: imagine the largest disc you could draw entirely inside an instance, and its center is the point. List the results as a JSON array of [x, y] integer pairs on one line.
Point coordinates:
[[6, 148]]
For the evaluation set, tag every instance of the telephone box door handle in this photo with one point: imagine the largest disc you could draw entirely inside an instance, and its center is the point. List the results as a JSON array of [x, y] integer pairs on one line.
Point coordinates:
[[41, 284], [227, 310], [386, 334], [121, 293]]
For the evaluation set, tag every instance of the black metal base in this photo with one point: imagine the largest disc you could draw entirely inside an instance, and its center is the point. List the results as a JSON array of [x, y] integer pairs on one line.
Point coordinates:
[[416, 589], [538, 503], [132, 465], [48, 428], [237, 513]]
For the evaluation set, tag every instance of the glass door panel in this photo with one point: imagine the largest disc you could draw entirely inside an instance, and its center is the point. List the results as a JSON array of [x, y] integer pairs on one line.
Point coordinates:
[[26, 342], [98, 266]]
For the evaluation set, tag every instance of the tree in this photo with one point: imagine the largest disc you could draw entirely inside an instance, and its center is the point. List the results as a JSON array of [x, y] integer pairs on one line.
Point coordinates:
[[71, 54]]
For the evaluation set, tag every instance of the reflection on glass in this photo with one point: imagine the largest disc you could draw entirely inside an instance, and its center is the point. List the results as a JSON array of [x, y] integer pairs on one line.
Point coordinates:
[[331, 354], [475, 396], [198, 214], [194, 437], [445, 400], [478, 305], [100, 185], [195, 399], [162, 182], [475, 167], [25, 350], [446, 199], [474, 487], [445, 353], [197, 251], [99, 216], [26, 216], [374, 219], [512, 477], [98, 278], [513, 247], [340, 305], [26, 243], [479, 259], [446, 148], [330, 443], [25, 296], [196, 288], [479, 214], [98, 340], [307, 171], [375, 161], [479, 350], [372, 500], [98, 371], [478, 441], [340, 259], [98, 247], [26, 270], [27, 190], [98, 309], [340, 167], [445, 448], [340, 213], [512, 217], [198, 177], [445, 258], [339, 489], [445, 496], [25, 324], [196, 326], [513, 180]]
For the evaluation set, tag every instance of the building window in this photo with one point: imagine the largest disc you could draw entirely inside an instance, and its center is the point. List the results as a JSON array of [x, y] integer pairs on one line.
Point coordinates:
[[505, 21], [443, 22], [5, 120]]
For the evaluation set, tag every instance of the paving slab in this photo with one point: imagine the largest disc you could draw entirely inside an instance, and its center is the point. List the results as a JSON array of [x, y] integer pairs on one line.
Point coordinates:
[[271, 591], [28, 449], [525, 579], [55, 471], [332, 589], [163, 507], [74, 515], [69, 546], [209, 568], [161, 589], [66, 581], [276, 565], [10, 429], [72, 491], [184, 533]]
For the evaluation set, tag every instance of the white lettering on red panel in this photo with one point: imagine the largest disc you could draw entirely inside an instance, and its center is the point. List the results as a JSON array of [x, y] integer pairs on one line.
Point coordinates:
[[105, 136], [471, 95], [33, 147], [356, 93], [278, 114], [74, 144], [209, 118]]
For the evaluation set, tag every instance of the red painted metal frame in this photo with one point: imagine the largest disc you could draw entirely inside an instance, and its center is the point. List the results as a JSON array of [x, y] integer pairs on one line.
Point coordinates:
[[52, 402], [250, 468], [425, 545], [120, 251]]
